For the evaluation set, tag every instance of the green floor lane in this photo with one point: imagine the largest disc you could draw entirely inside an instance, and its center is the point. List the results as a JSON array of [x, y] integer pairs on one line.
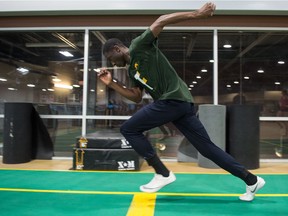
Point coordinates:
[[47, 204], [117, 193]]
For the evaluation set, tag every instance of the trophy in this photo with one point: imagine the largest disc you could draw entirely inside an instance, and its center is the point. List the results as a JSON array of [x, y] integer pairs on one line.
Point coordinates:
[[83, 142], [79, 160]]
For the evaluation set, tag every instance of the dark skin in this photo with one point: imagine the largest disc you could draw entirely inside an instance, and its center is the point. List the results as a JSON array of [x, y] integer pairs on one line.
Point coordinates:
[[119, 56]]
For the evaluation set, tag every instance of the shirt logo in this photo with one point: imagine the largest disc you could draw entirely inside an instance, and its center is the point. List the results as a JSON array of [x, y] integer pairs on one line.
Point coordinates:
[[142, 80]]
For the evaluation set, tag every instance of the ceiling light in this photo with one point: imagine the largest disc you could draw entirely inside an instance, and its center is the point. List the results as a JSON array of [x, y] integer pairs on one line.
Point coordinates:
[[55, 79], [246, 77], [12, 89], [44, 90], [281, 62], [277, 83], [22, 70], [198, 77], [58, 85], [194, 82], [51, 90], [228, 86], [76, 86], [31, 85], [204, 70], [211, 61], [227, 45], [191, 86], [236, 82], [260, 70], [3, 80], [66, 53]]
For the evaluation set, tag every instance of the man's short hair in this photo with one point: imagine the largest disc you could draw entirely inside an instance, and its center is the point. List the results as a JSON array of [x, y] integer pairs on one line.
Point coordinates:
[[109, 44]]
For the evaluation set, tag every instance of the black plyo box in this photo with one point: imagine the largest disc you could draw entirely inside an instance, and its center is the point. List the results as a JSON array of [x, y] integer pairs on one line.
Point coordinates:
[[106, 159], [109, 141]]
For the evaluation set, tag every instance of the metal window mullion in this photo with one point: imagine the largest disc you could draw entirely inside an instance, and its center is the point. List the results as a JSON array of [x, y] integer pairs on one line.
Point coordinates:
[[215, 67], [85, 81]]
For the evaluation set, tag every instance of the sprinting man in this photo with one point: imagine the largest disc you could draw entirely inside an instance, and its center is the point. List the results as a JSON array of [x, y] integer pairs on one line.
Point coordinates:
[[150, 70]]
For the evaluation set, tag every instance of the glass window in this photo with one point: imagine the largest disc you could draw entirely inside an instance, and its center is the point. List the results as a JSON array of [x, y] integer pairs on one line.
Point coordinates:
[[274, 140], [165, 139], [64, 134], [190, 53], [252, 68], [44, 68]]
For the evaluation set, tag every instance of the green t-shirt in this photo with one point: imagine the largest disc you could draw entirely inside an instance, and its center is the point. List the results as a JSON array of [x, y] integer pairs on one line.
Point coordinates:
[[150, 69]]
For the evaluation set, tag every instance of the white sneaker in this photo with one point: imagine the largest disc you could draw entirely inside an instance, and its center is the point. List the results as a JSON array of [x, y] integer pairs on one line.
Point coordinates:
[[252, 189], [157, 183]]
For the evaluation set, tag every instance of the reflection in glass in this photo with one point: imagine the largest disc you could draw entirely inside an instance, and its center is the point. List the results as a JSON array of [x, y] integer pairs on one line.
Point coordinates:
[[165, 139], [274, 140], [252, 70], [64, 134], [46, 69], [34, 68]]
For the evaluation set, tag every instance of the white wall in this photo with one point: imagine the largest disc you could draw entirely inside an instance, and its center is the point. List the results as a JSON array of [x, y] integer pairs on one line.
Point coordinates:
[[72, 7]]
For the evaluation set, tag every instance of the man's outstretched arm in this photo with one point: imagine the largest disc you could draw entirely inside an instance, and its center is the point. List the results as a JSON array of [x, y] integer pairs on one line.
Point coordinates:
[[133, 94], [205, 11]]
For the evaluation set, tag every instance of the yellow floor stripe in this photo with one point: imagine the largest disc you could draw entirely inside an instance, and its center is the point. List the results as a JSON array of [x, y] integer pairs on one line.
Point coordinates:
[[142, 205], [133, 172], [134, 193]]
